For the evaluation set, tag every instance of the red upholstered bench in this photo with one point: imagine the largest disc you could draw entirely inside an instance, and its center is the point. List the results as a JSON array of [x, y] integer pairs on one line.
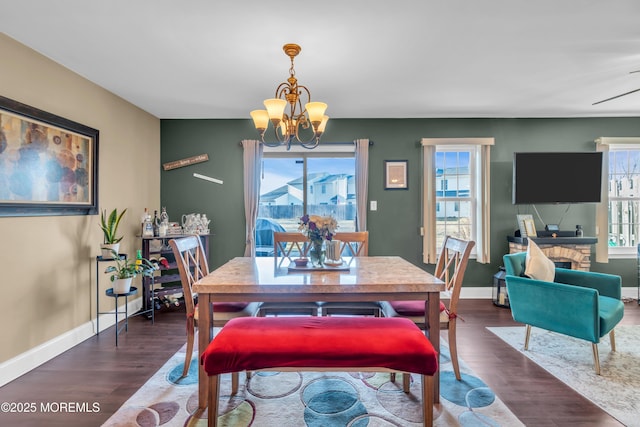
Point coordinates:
[[321, 344]]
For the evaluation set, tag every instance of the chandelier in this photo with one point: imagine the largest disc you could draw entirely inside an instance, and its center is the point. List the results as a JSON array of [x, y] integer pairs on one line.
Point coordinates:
[[292, 125]]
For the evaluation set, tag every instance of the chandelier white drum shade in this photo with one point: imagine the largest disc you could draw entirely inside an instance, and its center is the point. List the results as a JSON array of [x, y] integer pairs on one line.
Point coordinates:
[[302, 125]]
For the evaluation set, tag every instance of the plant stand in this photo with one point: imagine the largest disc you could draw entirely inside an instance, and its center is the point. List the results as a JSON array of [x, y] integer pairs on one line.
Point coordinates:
[[100, 259], [109, 293]]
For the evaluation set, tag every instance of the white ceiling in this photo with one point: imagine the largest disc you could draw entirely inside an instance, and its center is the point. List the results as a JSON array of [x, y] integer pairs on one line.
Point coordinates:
[[365, 58]]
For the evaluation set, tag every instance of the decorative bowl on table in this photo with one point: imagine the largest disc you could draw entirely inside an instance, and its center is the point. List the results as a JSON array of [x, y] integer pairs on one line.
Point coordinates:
[[301, 262]]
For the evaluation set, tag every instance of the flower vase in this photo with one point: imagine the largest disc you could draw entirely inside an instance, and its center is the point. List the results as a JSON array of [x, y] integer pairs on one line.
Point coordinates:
[[316, 253]]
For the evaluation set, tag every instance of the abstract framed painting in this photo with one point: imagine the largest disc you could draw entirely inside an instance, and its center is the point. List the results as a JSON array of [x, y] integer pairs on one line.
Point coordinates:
[[48, 164]]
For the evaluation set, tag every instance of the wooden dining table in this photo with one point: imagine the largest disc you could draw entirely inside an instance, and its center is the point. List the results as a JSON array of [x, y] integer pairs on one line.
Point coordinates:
[[266, 279]]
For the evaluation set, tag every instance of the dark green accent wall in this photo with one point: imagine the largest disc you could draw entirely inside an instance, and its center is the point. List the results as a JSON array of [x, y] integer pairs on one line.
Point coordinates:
[[394, 227]]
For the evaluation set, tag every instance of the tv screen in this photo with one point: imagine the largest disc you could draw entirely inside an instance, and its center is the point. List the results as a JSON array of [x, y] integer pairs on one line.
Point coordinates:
[[557, 177]]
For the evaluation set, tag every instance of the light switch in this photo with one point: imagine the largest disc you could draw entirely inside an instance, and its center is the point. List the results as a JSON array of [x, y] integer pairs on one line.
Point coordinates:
[[374, 205]]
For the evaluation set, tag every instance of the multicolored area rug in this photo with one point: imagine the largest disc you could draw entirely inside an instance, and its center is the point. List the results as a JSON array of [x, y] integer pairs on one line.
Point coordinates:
[[323, 399], [570, 360]]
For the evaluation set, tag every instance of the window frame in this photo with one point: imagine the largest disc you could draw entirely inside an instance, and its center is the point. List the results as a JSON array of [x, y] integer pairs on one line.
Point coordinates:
[[481, 178], [472, 198], [618, 252]]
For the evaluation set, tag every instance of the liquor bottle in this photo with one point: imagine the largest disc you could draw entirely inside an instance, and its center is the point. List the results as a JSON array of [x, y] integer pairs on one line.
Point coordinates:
[[143, 217], [164, 216], [164, 223], [156, 224], [147, 228]]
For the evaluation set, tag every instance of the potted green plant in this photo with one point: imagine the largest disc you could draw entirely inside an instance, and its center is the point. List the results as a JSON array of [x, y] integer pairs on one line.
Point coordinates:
[[109, 225], [124, 270]]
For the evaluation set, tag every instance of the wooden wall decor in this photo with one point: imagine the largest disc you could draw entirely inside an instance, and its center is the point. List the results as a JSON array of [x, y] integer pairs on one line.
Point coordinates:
[[185, 162]]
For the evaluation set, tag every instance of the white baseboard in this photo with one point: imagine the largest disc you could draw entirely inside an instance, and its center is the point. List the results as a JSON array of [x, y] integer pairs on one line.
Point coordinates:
[[476, 293], [487, 293], [630, 292], [31, 359]]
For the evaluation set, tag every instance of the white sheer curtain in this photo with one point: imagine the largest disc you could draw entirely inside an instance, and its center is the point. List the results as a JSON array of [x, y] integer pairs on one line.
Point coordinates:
[[252, 158], [429, 250], [362, 182]]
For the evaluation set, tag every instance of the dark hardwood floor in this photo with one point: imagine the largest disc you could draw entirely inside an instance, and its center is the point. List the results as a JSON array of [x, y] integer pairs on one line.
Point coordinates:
[[95, 371]]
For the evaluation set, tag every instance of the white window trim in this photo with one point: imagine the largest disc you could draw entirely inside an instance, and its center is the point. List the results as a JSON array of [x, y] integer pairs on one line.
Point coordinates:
[[603, 250], [482, 183]]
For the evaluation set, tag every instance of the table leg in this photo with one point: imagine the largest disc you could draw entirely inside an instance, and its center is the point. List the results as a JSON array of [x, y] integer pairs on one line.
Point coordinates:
[[205, 335], [432, 322]]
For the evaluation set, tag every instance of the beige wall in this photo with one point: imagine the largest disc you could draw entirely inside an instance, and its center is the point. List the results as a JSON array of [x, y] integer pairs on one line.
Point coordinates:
[[47, 269]]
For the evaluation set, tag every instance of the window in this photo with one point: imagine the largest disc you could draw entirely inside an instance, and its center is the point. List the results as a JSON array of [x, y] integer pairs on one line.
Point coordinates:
[[624, 169], [618, 214], [316, 182], [456, 194], [455, 206]]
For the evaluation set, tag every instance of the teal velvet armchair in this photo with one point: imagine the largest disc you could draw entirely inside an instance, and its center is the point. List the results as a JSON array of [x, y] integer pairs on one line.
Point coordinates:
[[581, 304]]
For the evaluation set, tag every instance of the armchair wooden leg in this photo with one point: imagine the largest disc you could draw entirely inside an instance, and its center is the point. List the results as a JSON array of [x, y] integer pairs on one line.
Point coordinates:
[[596, 357], [612, 340], [526, 337]]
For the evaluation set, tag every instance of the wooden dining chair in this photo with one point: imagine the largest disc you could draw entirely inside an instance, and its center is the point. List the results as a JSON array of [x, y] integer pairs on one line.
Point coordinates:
[[352, 244], [450, 268], [286, 247], [192, 264]]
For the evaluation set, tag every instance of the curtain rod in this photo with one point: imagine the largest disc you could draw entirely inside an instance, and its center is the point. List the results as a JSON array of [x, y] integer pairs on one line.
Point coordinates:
[[329, 143]]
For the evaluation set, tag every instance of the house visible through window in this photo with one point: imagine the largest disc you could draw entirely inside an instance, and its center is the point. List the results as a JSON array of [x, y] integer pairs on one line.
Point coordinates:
[[316, 183], [624, 199]]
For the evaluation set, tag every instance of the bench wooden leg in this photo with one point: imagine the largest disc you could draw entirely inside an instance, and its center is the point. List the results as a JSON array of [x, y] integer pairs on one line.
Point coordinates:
[[427, 399], [235, 382], [406, 382], [214, 397]]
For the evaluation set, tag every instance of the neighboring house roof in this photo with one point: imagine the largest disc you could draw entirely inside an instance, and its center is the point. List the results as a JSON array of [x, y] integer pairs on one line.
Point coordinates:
[[311, 177], [274, 194], [332, 177]]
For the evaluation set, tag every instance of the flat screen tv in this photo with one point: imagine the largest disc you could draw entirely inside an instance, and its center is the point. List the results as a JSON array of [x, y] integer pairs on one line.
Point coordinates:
[[557, 177]]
